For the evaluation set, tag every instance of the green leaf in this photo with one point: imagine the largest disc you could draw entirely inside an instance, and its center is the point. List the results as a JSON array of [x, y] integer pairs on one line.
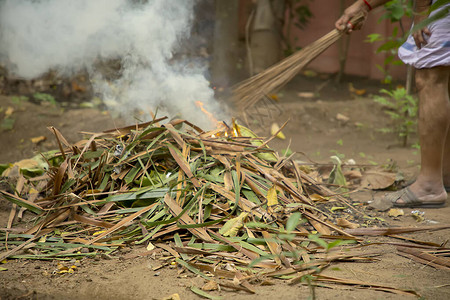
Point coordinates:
[[179, 243], [21, 202], [192, 269], [251, 196], [45, 98], [7, 123], [388, 46], [438, 4], [374, 37], [339, 243], [336, 175], [316, 239], [293, 221]]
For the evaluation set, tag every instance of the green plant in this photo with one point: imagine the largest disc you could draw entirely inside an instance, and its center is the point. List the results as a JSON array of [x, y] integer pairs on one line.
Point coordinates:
[[45, 98], [395, 10], [298, 14], [18, 99], [402, 109]]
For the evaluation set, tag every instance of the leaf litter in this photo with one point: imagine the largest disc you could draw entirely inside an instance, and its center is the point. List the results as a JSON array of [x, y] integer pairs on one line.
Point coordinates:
[[222, 204]]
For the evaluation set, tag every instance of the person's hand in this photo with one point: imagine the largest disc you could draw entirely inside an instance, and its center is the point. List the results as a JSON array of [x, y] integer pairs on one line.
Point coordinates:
[[419, 35], [343, 23]]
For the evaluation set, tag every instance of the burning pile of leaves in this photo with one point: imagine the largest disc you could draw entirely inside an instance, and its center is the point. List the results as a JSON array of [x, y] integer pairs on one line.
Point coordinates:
[[222, 203]]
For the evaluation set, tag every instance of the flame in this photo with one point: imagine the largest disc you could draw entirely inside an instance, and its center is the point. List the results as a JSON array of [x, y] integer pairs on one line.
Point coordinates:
[[210, 116], [222, 128]]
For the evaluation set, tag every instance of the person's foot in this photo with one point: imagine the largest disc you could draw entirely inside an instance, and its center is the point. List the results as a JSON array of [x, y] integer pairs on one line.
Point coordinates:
[[416, 195], [447, 182], [424, 193]]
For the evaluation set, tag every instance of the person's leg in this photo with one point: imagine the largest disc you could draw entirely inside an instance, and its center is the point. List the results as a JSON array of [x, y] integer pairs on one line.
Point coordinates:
[[446, 167], [434, 121]]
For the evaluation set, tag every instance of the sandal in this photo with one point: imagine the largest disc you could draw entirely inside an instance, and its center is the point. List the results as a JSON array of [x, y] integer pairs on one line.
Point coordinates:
[[409, 198]]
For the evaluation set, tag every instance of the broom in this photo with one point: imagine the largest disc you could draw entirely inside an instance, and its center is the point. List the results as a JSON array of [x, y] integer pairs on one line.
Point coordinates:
[[251, 90]]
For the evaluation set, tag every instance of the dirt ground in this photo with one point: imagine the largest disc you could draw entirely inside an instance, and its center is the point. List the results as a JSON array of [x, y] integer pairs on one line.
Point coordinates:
[[314, 131]]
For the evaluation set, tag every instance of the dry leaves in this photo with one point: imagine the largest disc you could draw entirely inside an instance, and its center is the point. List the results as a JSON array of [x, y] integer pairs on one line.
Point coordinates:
[[377, 180]]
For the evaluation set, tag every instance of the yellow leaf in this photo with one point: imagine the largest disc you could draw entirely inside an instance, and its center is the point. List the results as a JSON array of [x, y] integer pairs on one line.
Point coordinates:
[[150, 246], [274, 97], [38, 139], [27, 164], [33, 191], [274, 129], [334, 208], [172, 297], [98, 232], [61, 267], [232, 226], [309, 73], [30, 164], [9, 111], [317, 197], [395, 212], [360, 92], [356, 91], [272, 198]]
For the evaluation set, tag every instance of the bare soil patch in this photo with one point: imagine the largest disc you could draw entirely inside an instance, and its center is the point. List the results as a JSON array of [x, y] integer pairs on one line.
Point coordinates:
[[313, 130]]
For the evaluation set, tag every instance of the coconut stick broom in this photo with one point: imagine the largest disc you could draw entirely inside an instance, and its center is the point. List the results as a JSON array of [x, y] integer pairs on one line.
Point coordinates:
[[250, 91]]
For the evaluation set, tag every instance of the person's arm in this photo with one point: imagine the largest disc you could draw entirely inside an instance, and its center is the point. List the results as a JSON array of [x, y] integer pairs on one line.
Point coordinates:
[[421, 9], [359, 6]]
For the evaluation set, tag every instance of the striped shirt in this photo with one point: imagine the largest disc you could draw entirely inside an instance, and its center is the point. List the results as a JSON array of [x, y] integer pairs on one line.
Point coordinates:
[[436, 52]]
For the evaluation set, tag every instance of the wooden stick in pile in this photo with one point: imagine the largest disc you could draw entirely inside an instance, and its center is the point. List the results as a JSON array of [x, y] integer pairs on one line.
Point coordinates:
[[250, 91]]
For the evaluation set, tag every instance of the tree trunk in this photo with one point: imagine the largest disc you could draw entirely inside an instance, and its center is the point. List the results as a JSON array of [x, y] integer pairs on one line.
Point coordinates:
[[225, 44]]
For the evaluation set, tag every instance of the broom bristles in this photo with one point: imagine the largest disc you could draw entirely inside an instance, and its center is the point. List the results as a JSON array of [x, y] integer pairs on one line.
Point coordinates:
[[251, 90]]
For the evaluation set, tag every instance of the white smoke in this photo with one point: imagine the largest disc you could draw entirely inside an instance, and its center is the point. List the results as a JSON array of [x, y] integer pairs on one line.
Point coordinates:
[[71, 35]]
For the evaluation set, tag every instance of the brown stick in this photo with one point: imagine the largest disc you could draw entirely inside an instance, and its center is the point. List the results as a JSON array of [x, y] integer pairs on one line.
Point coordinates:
[[445, 262], [393, 230]]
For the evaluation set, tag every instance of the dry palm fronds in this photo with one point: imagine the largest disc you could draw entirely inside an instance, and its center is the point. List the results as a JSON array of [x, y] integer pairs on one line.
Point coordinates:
[[225, 189], [217, 202], [250, 91]]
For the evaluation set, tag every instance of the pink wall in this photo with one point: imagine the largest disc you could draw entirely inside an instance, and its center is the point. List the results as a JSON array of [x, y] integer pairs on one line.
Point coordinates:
[[362, 58]]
